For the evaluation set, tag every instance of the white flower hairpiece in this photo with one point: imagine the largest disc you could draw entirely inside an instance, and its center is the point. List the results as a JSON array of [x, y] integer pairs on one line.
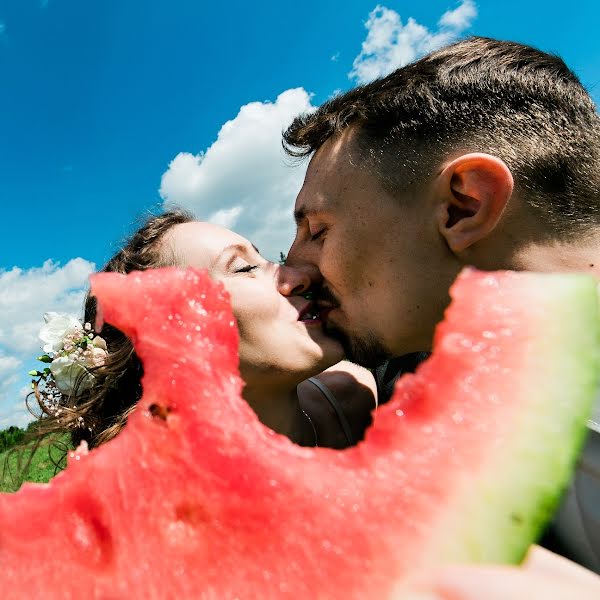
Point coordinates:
[[71, 349]]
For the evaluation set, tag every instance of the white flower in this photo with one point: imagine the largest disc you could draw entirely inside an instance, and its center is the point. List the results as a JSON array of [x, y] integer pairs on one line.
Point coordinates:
[[97, 357], [70, 375], [100, 343], [58, 326]]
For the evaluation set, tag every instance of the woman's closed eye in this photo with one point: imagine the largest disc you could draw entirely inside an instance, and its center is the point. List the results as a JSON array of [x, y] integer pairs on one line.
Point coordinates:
[[246, 269]]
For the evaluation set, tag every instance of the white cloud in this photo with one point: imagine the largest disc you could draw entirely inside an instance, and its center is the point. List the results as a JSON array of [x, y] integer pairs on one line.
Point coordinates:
[[461, 17], [9, 371], [8, 366], [25, 295], [13, 410], [15, 413], [227, 217], [391, 44], [243, 180]]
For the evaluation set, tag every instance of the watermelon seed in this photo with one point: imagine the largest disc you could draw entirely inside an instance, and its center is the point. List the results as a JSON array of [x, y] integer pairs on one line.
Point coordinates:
[[160, 411]]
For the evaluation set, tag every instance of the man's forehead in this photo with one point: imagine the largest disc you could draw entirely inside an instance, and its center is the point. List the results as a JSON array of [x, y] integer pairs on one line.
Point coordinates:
[[311, 200], [325, 176], [335, 153]]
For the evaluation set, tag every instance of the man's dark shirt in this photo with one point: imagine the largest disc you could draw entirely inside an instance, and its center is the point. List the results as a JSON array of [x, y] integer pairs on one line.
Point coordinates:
[[575, 531], [390, 371]]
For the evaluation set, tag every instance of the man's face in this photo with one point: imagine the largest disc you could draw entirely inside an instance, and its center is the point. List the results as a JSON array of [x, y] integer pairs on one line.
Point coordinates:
[[382, 264]]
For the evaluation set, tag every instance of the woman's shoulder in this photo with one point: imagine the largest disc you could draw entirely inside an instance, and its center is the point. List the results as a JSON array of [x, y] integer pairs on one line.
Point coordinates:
[[348, 381], [354, 394]]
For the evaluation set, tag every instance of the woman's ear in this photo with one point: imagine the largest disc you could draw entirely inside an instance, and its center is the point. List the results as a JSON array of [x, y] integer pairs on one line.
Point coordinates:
[[473, 191]]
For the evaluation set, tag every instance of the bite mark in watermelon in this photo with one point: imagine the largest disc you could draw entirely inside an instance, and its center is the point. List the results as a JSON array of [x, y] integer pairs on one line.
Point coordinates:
[[196, 498]]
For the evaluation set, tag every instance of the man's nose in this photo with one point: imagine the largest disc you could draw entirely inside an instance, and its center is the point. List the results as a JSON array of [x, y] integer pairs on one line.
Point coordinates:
[[292, 281], [300, 257]]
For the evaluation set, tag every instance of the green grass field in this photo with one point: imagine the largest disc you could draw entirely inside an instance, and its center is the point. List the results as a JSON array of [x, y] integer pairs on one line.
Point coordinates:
[[14, 467]]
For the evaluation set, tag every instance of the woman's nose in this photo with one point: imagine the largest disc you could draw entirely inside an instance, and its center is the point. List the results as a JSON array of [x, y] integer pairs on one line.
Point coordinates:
[[292, 281]]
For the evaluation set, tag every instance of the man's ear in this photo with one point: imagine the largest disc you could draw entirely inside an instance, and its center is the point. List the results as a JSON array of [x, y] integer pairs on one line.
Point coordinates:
[[474, 190]]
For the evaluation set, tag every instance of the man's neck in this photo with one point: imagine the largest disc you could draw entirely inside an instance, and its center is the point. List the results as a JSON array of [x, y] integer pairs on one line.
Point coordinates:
[[582, 256]]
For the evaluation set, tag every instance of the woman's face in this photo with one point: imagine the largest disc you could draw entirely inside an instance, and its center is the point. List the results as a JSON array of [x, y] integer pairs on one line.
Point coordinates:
[[277, 334]]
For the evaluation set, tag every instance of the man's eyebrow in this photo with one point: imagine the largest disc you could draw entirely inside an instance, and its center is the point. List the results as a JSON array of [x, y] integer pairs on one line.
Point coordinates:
[[301, 213]]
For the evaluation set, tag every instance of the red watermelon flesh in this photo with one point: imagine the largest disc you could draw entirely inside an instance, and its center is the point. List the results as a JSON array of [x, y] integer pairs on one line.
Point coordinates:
[[196, 498]]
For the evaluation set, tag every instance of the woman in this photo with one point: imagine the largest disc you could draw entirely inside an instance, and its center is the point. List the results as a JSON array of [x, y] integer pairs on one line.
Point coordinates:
[[282, 344]]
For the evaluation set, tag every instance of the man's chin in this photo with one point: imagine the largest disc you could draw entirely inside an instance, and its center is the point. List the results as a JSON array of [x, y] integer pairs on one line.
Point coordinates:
[[365, 351]]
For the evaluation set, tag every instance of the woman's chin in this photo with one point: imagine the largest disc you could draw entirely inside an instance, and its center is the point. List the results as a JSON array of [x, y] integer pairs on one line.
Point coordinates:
[[331, 352]]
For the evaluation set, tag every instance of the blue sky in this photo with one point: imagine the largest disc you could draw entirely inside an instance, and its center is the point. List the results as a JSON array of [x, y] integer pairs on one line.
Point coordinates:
[[110, 109]]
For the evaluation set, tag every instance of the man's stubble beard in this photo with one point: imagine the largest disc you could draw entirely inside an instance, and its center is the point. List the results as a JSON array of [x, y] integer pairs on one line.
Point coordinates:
[[366, 351]]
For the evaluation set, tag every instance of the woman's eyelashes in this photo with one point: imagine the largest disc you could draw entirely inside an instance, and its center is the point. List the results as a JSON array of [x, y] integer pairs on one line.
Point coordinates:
[[246, 269]]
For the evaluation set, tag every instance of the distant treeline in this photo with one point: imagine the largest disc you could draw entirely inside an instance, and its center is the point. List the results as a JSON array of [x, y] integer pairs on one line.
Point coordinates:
[[11, 437]]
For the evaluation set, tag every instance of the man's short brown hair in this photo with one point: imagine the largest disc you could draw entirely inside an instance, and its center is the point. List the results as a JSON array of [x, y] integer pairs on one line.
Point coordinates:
[[478, 95]]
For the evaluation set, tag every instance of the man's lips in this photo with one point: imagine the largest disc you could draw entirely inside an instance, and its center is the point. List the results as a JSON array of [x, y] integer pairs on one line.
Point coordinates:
[[326, 302], [324, 313], [317, 311]]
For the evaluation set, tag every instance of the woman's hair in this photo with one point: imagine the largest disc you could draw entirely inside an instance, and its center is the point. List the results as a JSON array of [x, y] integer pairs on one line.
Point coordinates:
[[98, 414]]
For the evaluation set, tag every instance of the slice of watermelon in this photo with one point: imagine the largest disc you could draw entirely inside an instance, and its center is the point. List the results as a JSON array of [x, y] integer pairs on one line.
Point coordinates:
[[197, 499]]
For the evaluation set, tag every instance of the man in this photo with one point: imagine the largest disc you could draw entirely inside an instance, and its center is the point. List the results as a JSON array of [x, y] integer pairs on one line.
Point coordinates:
[[483, 153]]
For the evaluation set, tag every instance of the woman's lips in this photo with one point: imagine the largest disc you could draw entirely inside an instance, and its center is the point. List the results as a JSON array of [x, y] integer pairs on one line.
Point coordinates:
[[309, 314], [315, 313]]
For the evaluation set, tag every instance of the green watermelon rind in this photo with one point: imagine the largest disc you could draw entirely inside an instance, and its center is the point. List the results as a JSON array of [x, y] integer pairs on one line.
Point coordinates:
[[572, 296]]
